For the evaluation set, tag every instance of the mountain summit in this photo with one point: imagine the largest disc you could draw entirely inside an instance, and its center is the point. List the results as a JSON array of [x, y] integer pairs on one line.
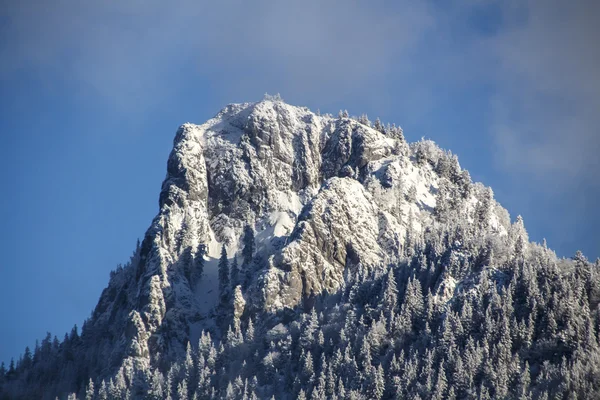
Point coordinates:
[[302, 255]]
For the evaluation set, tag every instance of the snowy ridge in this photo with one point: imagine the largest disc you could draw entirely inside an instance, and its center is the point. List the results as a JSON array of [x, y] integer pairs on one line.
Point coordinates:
[[314, 188], [321, 193]]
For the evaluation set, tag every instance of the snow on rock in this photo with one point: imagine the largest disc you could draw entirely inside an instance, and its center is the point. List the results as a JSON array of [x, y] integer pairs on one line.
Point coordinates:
[[239, 303], [323, 194], [445, 289], [207, 289], [338, 226]]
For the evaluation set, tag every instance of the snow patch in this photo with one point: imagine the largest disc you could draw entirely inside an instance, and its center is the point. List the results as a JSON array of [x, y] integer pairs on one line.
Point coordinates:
[[207, 289]]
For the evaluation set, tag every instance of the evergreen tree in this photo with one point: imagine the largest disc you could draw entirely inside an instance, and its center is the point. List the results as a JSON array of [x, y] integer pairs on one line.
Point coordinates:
[[234, 272], [198, 270], [378, 126], [441, 384], [411, 197], [89, 391], [103, 391], [27, 359], [182, 390], [390, 294], [11, 370], [308, 369], [364, 119], [310, 328], [248, 241], [155, 387], [187, 262], [188, 366], [379, 383], [223, 273], [441, 202], [301, 395], [247, 255], [249, 331], [483, 209]]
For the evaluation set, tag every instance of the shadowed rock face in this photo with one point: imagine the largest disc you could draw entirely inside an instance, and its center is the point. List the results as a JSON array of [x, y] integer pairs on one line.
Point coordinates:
[[354, 145]]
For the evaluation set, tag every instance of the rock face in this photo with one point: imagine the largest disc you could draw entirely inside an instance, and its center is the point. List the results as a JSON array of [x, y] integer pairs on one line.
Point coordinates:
[[339, 227], [323, 195]]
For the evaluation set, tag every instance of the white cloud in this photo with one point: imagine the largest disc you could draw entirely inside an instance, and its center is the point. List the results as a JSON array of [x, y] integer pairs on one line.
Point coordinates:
[[127, 50]]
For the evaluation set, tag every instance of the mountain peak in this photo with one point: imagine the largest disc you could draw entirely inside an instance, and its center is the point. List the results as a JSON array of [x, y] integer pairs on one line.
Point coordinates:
[[270, 212], [268, 163]]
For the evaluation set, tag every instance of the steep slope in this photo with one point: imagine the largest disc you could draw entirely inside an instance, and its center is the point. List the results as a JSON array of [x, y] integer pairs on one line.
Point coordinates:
[[302, 182], [335, 205], [262, 164]]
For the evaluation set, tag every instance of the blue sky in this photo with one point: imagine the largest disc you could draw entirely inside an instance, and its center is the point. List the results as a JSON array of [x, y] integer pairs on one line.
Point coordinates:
[[91, 95]]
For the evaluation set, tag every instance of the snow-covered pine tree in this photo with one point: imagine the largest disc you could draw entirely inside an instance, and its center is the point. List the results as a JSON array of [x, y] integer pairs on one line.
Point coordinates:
[[223, 274], [234, 277]]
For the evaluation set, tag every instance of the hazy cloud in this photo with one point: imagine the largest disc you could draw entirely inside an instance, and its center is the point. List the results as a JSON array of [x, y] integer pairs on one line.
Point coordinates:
[[128, 50], [546, 109]]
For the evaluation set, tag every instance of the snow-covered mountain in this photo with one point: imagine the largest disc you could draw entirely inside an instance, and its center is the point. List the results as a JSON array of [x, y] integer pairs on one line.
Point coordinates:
[[321, 193], [320, 213]]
